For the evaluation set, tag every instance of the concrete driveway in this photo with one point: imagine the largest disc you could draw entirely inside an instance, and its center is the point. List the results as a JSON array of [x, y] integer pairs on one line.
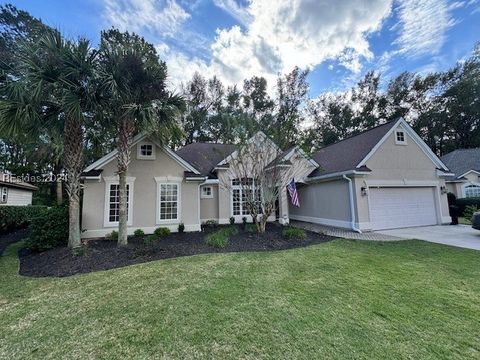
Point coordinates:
[[455, 235]]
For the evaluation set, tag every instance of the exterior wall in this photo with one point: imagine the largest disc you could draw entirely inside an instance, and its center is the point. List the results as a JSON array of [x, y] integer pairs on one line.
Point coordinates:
[[144, 214], [209, 206], [458, 187], [18, 197], [395, 165], [324, 203]]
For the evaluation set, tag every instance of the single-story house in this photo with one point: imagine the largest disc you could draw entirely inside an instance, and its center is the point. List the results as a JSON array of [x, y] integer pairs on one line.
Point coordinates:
[[464, 164], [383, 178], [15, 192]]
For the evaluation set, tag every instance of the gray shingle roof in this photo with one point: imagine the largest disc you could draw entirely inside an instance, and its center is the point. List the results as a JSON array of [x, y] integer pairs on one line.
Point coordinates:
[[348, 153], [205, 156], [461, 161]]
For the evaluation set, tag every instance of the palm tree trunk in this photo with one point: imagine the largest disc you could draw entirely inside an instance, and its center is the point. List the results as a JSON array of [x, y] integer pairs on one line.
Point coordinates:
[[73, 153], [124, 154]]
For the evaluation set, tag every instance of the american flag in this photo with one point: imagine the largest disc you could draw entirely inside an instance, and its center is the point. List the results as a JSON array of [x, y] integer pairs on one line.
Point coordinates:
[[292, 190]]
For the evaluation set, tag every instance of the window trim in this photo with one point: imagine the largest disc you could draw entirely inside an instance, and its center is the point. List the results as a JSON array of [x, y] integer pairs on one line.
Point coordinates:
[[206, 196], [146, 157], [465, 186], [241, 188], [404, 134], [167, 181], [113, 180], [4, 191]]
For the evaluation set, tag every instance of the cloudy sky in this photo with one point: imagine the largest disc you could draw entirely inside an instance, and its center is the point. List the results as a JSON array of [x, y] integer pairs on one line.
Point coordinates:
[[338, 40]]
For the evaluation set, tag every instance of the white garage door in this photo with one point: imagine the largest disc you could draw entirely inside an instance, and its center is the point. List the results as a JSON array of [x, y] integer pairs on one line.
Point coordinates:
[[401, 207]]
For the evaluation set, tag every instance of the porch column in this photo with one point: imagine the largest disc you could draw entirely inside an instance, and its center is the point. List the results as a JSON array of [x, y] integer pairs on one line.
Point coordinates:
[[284, 218]]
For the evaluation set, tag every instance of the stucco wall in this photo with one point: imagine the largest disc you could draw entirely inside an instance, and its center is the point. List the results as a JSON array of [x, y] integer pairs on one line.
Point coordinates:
[[399, 165], [209, 206], [144, 196], [324, 203], [458, 187]]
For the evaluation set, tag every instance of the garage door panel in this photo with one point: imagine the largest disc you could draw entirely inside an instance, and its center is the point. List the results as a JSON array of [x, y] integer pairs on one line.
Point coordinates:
[[401, 207]]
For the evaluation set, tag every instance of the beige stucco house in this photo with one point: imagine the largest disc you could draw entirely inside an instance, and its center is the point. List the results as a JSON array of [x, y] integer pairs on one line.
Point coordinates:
[[383, 178], [464, 164]]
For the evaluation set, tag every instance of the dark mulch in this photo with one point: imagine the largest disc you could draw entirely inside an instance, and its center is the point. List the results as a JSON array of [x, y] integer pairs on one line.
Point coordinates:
[[104, 254], [10, 238]]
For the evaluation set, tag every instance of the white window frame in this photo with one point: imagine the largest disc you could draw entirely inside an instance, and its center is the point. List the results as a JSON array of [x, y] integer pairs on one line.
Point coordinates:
[[169, 181], [4, 195], [140, 156], [241, 188], [404, 134], [465, 186], [113, 180], [206, 196]]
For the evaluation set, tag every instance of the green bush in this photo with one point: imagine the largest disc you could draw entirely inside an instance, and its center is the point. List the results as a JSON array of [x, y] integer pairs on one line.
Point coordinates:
[[139, 233], [220, 238], [150, 239], [48, 229], [244, 220], [181, 228], [162, 231], [250, 228], [112, 236], [469, 211], [211, 223], [464, 202], [15, 217], [232, 220], [293, 233]]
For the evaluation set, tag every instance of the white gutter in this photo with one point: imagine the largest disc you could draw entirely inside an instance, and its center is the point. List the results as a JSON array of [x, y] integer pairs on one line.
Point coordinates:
[[337, 174], [352, 208]]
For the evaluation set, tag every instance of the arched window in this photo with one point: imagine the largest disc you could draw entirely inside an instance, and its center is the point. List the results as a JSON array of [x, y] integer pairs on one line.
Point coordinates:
[[472, 191]]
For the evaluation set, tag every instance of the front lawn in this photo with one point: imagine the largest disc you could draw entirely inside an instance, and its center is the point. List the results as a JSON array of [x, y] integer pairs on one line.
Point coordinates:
[[464, 221], [341, 299]]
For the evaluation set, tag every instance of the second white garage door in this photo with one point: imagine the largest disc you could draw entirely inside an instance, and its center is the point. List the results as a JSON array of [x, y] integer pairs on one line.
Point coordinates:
[[392, 208]]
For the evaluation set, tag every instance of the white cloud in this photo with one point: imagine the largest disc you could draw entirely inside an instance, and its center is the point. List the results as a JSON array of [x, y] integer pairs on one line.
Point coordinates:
[[161, 18], [422, 26], [235, 10]]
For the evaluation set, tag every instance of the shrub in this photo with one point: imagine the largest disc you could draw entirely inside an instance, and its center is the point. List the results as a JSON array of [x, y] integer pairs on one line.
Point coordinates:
[[112, 236], [293, 233], [139, 233], [211, 223], [220, 238], [250, 228], [48, 229], [451, 198], [162, 231], [15, 217], [181, 228], [464, 202], [244, 220], [232, 220], [150, 239], [469, 211]]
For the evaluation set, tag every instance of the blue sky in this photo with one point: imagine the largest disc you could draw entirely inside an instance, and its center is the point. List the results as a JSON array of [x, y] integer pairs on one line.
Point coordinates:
[[337, 40]]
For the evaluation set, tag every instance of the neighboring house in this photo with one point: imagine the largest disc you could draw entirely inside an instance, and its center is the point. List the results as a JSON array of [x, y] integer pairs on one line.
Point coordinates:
[[465, 167], [16, 193], [383, 178]]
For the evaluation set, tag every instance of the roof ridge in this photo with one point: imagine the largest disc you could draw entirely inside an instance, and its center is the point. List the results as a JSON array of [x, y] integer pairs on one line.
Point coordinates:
[[360, 133]]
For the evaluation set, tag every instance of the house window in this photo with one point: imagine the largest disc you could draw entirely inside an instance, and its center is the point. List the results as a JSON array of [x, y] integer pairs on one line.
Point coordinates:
[[168, 201], [400, 138], [145, 151], [242, 193], [472, 191], [114, 203], [3, 195], [207, 192]]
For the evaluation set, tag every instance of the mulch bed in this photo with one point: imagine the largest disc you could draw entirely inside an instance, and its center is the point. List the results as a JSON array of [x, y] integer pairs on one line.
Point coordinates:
[[10, 238], [104, 254]]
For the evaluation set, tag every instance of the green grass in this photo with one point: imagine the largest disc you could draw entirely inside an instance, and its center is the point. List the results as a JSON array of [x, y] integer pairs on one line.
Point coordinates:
[[464, 221], [220, 237], [343, 299]]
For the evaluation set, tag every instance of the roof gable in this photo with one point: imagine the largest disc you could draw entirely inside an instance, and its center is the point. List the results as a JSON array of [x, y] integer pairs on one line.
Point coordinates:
[[462, 161], [205, 156]]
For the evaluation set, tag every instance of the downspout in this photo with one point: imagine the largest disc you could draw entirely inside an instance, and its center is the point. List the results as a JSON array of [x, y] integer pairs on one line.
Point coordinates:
[[352, 207]]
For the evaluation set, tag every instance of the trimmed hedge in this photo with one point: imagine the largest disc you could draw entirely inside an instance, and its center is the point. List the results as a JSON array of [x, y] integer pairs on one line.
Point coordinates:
[[48, 229], [464, 202], [16, 217]]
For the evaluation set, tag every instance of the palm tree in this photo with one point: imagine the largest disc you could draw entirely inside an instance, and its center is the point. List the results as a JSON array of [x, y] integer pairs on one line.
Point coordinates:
[[54, 86], [133, 83]]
